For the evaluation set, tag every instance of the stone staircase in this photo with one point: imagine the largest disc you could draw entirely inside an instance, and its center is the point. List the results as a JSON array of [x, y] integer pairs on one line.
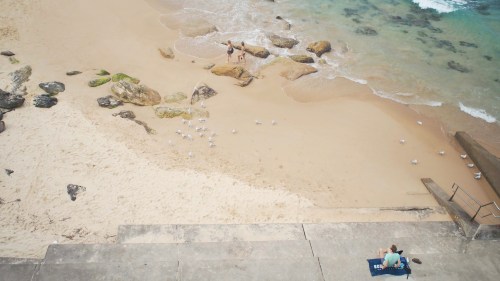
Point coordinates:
[[336, 251]]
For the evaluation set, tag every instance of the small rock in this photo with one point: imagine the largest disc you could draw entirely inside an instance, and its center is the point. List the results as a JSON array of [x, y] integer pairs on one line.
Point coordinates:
[[2, 126], [122, 76], [319, 47], [302, 58], [10, 101], [103, 72], [7, 53], [44, 101], [125, 114], [167, 53], [202, 92], [99, 81], [52, 88], [74, 72], [209, 66], [8, 172], [19, 77], [74, 190], [109, 102], [489, 58], [282, 42]]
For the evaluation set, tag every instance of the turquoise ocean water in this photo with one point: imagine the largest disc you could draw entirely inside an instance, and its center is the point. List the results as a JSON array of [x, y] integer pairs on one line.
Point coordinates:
[[437, 53]]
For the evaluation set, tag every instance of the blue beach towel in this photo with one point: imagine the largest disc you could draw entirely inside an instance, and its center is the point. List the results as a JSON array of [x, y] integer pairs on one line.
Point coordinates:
[[375, 266]]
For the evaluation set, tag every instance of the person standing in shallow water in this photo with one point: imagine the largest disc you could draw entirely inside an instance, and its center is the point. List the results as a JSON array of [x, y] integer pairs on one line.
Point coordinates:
[[241, 55], [230, 50]]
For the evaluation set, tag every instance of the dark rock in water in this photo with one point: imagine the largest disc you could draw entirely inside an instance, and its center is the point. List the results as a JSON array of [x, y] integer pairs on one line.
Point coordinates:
[[467, 44], [483, 9], [489, 58], [279, 18], [435, 29], [497, 80], [7, 53], [44, 101], [282, 42], [109, 102], [422, 34], [74, 72], [365, 30], [427, 14], [125, 114], [319, 47], [10, 101], [52, 88], [202, 92], [18, 78], [103, 72], [348, 12], [421, 40], [74, 190], [2, 126], [8, 172], [458, 67], [356, 20], [445, 44]]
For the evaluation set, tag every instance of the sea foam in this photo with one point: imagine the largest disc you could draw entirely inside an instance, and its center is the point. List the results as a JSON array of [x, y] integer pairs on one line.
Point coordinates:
[[441, 6], [478, 113]]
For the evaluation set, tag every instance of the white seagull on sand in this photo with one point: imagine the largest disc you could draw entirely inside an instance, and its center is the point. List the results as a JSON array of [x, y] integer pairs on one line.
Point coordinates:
[[402, 141], [419, 122], [470, 165], [257, 122], [414, 161], [477, 175], [234, 131], [463, 156], [441, 152]]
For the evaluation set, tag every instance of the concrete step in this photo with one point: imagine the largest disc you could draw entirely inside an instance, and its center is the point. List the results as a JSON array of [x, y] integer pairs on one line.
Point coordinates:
[[356, 230], [164, 271], [251, 269], [18, 269], [208, 233], [144, 253], [369, 247]]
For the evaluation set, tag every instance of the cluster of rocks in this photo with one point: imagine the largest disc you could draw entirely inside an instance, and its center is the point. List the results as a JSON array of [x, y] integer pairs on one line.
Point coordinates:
[[106, 77]]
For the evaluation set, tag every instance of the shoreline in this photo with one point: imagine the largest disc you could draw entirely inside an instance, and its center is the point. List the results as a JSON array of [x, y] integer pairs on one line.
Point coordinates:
[[334, 158]]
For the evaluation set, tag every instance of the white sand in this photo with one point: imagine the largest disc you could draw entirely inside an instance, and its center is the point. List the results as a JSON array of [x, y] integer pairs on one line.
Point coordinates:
[[333, 155]]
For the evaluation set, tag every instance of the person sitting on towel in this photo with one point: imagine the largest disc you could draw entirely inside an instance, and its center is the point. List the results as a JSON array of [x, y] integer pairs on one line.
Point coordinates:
[[389, 257]]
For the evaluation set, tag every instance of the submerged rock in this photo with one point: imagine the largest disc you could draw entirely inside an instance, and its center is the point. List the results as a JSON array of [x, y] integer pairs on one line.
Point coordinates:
[[136, 94], [7, 53], [10, 101], [109, 102], [99, 81], [52, 88], [282, 42], [302, 58], [365, 30], [127, 114], [122, 76], [458, 67], [74, 190], [290, 69], [175, 97], [202, 92], [186, 113], [74, 72], [255, 51], [44, 101], [467, 44], [489, 58], [167, 53], [319, 47]]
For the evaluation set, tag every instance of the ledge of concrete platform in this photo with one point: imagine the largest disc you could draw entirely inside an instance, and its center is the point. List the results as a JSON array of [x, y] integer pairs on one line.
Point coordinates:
[[488, 164], [487, 232], [457, 214]]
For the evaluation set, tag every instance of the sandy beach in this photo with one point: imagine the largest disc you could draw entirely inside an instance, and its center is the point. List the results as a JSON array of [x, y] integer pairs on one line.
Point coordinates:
[[308, 150]]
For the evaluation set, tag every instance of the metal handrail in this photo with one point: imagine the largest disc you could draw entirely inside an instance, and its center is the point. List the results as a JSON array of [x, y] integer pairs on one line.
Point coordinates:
[[473, 199]]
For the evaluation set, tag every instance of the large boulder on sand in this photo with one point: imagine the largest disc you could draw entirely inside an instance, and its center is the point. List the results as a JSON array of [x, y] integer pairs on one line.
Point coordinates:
[[319, 47], [18, 78], [44, 101], [290, 69], [255, 51], [282, 42], [202, 92], [234, 71], [136, 94], [52, 88], [302, 58]]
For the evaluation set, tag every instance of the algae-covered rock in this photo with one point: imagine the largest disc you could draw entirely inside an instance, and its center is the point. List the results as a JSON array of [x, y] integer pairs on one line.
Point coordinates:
[[99, 81], [319, 47], [13, 60], [186, 113], [103, 72], [122, 76], [175, 97], [136, 94]]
